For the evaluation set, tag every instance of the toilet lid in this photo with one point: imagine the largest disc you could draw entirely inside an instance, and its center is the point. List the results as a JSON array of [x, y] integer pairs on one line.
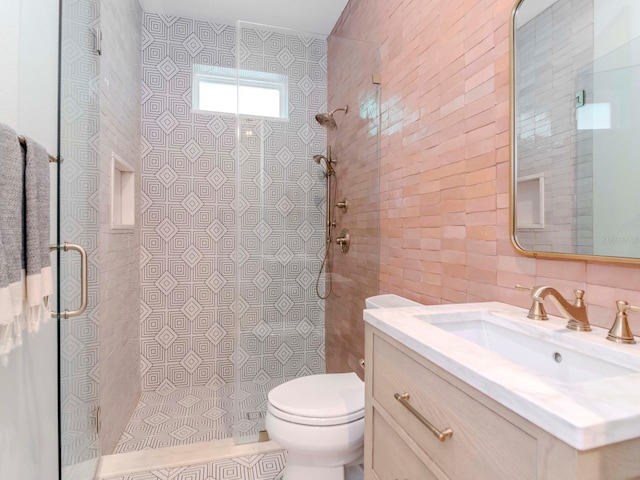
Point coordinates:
[[337, 396]]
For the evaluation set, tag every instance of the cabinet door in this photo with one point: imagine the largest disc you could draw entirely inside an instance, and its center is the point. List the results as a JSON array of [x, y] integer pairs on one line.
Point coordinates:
[[483, 445], [392, 458]]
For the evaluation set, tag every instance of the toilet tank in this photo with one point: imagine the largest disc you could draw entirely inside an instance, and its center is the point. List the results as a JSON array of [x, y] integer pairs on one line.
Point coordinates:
[[389, 301]]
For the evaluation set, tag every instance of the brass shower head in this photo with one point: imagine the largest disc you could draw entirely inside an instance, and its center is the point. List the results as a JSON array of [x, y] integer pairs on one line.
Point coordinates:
[[327, 120]]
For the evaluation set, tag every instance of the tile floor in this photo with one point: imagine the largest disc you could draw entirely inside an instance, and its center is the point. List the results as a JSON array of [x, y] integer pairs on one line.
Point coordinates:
[[266, 466], [196, 414]]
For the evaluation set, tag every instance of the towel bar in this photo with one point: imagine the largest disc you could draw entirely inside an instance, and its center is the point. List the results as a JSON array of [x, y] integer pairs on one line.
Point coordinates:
[[23, 141]]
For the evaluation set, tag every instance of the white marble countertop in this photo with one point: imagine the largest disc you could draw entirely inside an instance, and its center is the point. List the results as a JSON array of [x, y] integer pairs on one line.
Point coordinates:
[[585, 415]]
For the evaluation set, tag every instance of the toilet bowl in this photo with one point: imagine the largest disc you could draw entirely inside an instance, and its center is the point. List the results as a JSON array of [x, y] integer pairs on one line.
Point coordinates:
[[319, 419]]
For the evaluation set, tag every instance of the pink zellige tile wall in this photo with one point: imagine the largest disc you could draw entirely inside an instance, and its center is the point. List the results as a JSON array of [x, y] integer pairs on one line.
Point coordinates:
[[444, 160]]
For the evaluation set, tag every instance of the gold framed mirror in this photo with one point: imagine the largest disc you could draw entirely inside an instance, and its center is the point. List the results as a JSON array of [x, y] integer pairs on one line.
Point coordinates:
[[575, 129]]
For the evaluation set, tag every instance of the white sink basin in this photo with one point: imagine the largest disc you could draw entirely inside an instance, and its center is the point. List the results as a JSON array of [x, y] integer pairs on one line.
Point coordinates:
[[540, 356]]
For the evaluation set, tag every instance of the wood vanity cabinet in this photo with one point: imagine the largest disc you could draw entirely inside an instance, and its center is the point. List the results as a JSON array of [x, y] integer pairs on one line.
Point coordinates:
[[488, 442]]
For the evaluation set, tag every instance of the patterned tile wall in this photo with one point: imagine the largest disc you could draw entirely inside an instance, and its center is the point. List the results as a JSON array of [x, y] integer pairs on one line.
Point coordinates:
[[80, 214], [190, 238]]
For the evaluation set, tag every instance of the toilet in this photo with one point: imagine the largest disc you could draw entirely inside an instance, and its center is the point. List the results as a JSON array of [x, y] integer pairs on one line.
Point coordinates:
[[319, 419]]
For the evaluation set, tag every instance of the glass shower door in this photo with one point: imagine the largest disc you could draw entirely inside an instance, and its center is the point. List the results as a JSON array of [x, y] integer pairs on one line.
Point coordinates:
[[79, 221], [280, 205]]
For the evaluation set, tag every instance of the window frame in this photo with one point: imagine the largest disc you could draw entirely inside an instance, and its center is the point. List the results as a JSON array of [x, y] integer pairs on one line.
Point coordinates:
[[243, 78]]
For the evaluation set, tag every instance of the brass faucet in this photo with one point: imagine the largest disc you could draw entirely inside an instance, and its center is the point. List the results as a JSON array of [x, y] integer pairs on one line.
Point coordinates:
[[575, 313]]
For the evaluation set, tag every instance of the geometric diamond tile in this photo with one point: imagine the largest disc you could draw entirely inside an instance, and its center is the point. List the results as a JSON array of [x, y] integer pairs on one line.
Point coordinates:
[[166, 336], [183, 433], [262, 330], [167, 68], [191, 309], [285, 156], [217, 126], [216, 333], [157, 419], [216, 230], [192, 150], [284, 304], [262, 280], [216, 282], [304, 327], [263, 230], [193, 45], [167, 122], [189, 401], [284, 255], [306, 133], [191, 361], [166, 229], [215, 413], [192, 203], [306, 182], [305, 279], [285, 57], [306, 85], [217, 178], [165, 388], [284, 206], [305, 230], [192, 256], [284, 353]]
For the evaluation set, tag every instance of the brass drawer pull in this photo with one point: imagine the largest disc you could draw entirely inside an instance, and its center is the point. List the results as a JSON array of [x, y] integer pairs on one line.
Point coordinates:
[[440, 435]]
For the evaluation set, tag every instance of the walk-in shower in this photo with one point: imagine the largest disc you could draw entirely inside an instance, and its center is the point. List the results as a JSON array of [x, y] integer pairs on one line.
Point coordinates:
[[209, 297]]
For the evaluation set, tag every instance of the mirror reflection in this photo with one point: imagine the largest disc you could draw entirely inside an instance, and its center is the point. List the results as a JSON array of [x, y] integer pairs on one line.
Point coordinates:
[[577, 127]]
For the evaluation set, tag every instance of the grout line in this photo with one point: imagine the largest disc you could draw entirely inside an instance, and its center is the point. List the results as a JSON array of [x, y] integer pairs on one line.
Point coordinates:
[[179, 456]]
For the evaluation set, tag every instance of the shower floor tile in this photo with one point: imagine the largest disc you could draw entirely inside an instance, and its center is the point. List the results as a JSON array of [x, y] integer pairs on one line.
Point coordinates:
[[196, 414], [268, 466]]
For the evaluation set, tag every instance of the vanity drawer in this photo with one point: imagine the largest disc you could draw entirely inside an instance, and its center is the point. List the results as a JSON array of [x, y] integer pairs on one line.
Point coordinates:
[[483, 445], [392, 459]]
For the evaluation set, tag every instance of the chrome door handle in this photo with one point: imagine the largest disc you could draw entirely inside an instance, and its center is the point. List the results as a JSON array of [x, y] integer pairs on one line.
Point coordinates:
[[84, 280], [440, 435]]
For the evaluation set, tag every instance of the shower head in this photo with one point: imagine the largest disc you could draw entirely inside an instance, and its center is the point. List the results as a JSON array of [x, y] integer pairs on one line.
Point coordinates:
[[327, 120]]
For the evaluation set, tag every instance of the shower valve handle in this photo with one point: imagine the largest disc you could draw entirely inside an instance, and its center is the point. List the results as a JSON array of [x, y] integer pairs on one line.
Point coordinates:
[[344, 205], [344, 240]]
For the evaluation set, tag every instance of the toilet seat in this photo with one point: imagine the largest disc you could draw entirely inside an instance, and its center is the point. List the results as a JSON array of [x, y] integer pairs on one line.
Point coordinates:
[[315, 421], [319, 400]]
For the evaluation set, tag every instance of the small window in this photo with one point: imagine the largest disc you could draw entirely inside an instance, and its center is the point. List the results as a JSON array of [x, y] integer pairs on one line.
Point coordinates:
[[260, 94]]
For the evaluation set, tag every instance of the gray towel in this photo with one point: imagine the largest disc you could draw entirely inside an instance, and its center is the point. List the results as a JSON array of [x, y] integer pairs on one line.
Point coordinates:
[[37, 225], [11, 238]]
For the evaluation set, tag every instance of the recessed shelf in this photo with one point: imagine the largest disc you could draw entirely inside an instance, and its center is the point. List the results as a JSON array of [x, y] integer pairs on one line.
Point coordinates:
[[530, 206], [122, 194]]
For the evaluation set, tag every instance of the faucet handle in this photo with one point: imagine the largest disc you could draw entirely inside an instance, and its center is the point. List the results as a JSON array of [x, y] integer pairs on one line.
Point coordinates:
[[537, 311], [620, 332], [579, 302]]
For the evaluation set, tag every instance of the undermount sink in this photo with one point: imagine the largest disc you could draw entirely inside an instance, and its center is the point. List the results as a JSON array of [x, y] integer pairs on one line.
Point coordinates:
[[540, 356]]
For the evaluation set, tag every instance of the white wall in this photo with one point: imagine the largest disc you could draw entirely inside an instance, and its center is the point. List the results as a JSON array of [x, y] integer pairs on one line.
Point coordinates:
[[28, 103]]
